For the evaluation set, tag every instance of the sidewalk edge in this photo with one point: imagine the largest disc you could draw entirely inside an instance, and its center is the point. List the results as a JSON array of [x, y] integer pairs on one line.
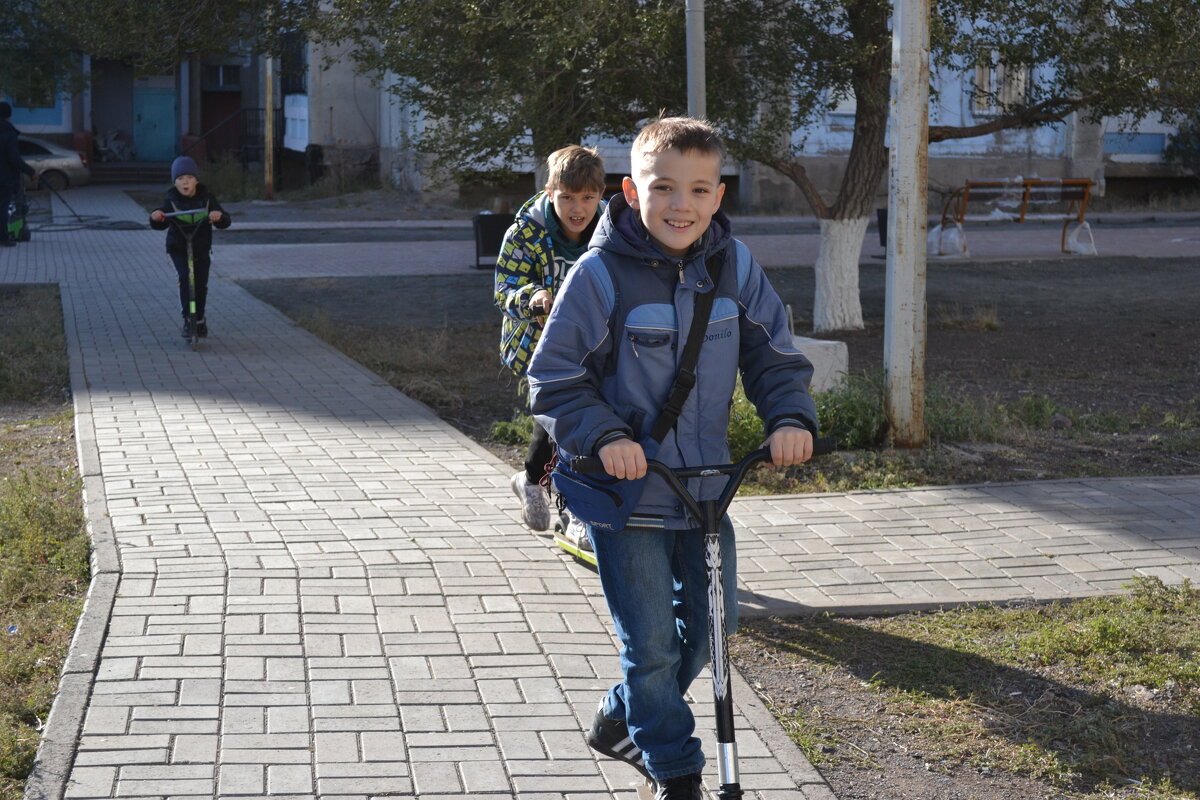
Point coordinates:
[[47, 779]]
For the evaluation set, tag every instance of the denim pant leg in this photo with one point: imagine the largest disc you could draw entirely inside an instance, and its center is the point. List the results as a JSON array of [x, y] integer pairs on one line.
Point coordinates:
[[655, 582]]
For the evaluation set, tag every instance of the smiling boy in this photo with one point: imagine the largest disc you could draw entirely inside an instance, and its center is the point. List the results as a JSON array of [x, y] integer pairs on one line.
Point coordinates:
[[550, 233], [599, 379]]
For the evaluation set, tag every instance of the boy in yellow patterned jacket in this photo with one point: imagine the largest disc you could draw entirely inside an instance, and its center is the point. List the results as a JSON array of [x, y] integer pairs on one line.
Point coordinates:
[[550, 233]]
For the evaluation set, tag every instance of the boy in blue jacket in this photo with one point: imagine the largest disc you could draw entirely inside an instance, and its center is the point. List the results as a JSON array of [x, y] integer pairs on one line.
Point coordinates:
[[598, 380]]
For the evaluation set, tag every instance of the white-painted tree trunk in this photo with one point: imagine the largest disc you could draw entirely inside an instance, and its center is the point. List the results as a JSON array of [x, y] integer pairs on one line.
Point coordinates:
[[836, 304]]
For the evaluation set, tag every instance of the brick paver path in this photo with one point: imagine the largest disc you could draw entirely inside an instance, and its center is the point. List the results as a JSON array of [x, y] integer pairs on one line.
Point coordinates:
[[315, 588]]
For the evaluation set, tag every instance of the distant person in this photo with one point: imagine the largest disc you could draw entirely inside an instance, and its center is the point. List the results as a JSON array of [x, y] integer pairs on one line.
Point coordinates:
[[188, 194], [551, 232], [11, 168], [599, 380]]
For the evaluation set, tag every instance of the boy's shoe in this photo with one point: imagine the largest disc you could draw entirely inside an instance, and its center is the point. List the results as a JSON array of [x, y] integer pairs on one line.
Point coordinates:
[[685, 787], [574, 530], [186, 332], [201, 328], [535, 505], [610, 737]]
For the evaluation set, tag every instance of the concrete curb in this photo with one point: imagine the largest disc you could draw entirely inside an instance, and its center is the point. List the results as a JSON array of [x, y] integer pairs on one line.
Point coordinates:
[[47, 778]]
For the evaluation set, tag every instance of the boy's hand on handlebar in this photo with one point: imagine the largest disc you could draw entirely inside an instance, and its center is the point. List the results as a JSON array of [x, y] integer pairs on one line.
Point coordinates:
[[623, 458], [789, 445], [214, 217], [157, 215], [541, 302]]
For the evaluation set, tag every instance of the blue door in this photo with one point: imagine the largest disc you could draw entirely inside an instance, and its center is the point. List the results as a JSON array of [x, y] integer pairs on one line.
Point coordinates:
[[154, 129]]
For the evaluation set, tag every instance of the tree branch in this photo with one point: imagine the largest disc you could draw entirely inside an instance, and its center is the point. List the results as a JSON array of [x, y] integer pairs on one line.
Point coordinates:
[[1053, 109]]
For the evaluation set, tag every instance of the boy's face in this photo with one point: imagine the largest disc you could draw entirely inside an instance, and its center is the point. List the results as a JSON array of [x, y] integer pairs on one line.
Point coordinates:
[[676, 195], [186, 184], [575, 208]]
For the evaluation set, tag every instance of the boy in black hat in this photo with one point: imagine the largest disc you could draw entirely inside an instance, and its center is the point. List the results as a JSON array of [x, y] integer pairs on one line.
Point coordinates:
[[188, 194]]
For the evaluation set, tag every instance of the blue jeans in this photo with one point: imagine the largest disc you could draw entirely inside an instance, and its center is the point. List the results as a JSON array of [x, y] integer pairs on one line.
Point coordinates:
[[656, 585]]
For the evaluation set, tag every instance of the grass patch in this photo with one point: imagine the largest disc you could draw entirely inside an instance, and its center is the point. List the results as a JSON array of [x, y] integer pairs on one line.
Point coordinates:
[[231, 182], [956, 316], [43, 541], [1082, 695], [33, 364], [335, 182]]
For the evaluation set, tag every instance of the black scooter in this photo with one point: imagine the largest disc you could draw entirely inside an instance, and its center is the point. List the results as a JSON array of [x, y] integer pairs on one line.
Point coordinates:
[[709, 513]]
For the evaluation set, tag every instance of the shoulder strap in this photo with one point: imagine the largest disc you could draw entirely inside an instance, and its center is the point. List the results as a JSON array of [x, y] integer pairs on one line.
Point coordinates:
[[686, 377]]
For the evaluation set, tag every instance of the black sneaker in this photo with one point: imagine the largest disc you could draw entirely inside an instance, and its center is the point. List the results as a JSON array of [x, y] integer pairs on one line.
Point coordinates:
[[685, 787], [201, 328], [610, 737]]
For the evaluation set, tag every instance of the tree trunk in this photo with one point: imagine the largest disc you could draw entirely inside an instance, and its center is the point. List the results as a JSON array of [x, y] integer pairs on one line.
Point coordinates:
[[836, 304]]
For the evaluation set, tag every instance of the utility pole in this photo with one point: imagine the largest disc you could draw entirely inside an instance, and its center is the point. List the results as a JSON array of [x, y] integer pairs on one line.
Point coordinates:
[[908, 177], [269, 129], [696, 89]]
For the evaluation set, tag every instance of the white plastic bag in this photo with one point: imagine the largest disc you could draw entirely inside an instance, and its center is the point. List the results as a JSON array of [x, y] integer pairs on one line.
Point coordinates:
[[949, 241], [1080, 241]]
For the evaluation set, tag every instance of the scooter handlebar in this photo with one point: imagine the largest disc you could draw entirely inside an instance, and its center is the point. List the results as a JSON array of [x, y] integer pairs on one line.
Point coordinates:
[[592, 465]]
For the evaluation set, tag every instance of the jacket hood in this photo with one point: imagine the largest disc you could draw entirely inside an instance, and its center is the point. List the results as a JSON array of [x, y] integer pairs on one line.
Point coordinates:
[[537, 209], [621, 231]]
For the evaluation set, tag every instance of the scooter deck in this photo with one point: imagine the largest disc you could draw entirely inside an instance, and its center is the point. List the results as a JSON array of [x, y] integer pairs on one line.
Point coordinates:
[[570, 547]]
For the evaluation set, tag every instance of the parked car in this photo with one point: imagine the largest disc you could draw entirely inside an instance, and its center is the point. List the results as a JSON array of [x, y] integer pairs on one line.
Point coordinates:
[[60, 166]]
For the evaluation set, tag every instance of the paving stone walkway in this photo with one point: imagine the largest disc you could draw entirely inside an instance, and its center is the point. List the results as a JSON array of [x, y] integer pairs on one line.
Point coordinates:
[[308, 586]]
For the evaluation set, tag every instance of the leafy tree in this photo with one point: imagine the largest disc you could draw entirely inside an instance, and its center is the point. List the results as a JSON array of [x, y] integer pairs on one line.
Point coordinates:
[[1096, 58], [36, 60], [501, 81], [156, 35], [1184, 145]]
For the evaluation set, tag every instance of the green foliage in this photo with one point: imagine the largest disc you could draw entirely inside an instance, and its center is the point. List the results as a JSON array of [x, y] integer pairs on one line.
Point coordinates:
[[853, 413], [230, 181], [1183, 146], [745, 427], [1033, 411], [36, 61], [506, 81], [516, 431], [155, 35]]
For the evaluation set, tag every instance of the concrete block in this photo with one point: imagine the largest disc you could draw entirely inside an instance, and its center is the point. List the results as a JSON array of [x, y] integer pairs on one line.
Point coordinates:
[[831, 361]]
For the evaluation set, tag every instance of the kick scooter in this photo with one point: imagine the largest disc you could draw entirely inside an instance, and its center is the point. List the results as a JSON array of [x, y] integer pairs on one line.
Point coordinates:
[[188, 223], [709, 514]]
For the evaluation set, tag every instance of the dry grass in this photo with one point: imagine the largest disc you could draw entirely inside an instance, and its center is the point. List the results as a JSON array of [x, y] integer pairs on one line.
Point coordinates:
[[43, 541]]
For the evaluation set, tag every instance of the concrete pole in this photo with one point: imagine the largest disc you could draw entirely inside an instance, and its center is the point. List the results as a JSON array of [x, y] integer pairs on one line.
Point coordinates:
[[269, 129], [905, 312], [695, 58]]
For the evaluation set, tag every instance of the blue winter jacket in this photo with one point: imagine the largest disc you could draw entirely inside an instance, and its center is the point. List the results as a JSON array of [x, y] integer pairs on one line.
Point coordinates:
[[611, 350]]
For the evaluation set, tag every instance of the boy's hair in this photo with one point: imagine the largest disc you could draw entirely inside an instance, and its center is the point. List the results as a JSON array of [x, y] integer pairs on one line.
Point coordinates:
[[575, 169], [685, 134], [5, 109]]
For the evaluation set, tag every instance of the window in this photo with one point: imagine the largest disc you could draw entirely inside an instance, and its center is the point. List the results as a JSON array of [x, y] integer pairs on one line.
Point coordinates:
[[293, 63], [222, 77], [998, 86]]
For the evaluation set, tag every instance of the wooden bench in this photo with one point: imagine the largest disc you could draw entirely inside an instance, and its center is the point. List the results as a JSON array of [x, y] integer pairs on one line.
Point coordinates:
[[1018, 199]]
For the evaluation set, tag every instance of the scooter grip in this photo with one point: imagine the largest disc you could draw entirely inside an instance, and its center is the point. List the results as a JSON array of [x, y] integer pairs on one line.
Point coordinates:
[[824, 446], [587, 465]]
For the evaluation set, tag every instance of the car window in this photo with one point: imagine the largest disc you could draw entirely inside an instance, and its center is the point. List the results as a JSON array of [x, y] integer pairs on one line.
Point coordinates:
[[28, 148]]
